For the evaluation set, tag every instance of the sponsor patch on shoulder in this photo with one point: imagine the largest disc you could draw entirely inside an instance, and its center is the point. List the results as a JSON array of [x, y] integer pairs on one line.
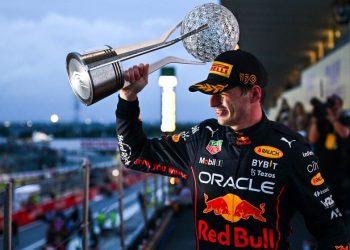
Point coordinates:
[[317, 180], [268, 152]]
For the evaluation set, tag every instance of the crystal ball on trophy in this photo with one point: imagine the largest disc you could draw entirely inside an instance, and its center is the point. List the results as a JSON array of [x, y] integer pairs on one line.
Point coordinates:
[[221, 35]]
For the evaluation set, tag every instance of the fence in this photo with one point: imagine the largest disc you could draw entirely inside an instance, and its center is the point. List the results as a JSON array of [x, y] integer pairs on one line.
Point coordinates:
[[78, 197]]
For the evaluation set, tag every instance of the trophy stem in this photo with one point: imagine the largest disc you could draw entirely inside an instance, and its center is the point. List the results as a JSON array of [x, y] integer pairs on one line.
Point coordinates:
[[145, 50], [164, 61], [162, 39], [170, 59]]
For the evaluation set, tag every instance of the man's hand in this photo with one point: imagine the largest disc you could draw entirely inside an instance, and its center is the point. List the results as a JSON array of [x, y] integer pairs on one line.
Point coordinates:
[[137, 76]]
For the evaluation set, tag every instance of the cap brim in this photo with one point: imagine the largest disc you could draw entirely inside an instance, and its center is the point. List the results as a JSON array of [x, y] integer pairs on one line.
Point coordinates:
[[208, 88]]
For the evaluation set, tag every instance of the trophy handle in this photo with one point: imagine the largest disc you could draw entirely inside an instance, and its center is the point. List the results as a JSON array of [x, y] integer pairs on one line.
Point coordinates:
[[164, 61], [141, 51], [153, 42]]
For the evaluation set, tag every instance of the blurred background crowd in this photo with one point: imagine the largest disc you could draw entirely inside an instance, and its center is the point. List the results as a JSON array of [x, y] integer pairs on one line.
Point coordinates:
[[327, 129]]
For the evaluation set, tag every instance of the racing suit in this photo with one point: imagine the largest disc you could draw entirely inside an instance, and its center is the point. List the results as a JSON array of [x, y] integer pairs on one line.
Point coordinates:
[[246, 185]]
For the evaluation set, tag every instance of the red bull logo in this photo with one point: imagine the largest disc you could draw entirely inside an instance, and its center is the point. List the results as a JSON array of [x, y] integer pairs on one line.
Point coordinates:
[[243, 140], [342, 247], [236, 237], [232, 208], [245, 210], [218, 205]]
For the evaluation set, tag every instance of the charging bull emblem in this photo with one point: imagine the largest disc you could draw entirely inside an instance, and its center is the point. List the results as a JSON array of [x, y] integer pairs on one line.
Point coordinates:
[[232, 208]]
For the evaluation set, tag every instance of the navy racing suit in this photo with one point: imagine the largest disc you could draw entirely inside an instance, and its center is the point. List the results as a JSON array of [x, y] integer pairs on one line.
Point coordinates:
[[246, 185]]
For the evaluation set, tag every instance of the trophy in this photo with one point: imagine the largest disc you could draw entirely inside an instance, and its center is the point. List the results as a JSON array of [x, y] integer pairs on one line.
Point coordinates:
[[206, 31]]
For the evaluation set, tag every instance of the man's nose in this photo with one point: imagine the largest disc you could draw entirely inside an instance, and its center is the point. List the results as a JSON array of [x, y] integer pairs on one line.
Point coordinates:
[[215, 100]]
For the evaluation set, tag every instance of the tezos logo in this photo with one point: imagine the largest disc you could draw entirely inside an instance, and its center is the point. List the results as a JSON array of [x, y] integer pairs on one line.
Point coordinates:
[[268, 152]]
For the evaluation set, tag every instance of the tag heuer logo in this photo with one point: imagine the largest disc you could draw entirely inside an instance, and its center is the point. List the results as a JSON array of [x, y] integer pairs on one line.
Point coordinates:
[[214, 147]]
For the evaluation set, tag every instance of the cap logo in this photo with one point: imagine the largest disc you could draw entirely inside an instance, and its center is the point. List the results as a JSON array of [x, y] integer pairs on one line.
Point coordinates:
[[247, 78], [207, 88], [220, 68]]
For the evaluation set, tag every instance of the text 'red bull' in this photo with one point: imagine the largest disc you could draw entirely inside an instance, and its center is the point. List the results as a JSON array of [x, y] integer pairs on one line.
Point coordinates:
[[236, 237]]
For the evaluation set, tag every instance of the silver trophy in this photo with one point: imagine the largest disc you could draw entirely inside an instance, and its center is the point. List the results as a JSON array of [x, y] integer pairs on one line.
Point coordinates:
[[206, 31], [221, 35]]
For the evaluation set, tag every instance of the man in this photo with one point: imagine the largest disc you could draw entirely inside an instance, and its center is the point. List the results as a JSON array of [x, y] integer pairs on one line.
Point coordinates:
[[247, 175], [329, 134]]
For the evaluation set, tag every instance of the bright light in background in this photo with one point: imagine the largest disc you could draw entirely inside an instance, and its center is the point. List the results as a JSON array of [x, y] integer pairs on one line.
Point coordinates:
[[38, 136], [29, 124], [7, 124], [337, 34], [168, 82], [88, 121], [172, 180], [115, 172], [54, 118]]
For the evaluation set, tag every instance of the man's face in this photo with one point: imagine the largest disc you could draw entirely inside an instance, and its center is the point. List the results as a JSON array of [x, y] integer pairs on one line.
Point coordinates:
[[232, 108]]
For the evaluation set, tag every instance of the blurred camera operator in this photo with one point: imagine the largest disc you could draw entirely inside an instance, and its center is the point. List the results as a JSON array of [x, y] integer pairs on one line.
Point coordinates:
[[329, 133]]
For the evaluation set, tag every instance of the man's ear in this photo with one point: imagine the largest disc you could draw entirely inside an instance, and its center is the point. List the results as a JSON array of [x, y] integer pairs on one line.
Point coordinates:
[[255, 94]]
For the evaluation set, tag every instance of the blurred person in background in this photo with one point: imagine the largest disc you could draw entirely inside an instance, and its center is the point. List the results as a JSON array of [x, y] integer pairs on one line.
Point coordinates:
[[298, 119], [329, 134], [284, 113]]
